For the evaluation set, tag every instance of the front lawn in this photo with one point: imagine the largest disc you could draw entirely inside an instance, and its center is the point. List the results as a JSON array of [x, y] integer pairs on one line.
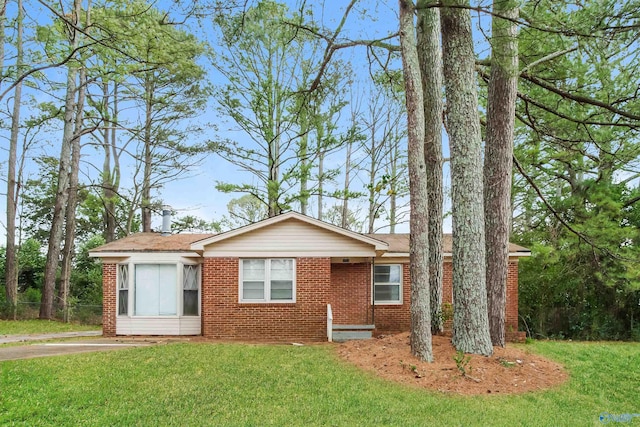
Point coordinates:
[[236, 384], [28, 327]]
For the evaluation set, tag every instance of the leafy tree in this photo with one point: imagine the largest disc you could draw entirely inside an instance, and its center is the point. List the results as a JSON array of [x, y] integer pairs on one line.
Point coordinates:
[[68, 164], [575, 196], [246, 210], [385, 152], [11, 278], [193, 224], [268, 63]]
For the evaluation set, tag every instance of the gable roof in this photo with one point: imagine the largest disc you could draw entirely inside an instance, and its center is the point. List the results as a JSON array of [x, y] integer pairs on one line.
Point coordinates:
[[390, 244], [378, 244]]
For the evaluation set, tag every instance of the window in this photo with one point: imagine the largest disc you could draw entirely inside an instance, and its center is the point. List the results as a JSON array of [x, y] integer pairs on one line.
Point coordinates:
[[155, 290], [267, 280], [190, 290], [387, 285], [123, 289]]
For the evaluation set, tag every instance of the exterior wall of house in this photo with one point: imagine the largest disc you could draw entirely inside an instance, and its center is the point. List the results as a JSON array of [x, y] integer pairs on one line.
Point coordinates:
[[348, 280], [318, 282], [291, 238], [351, 293], [109, 299], [395, 317], [224, 317]]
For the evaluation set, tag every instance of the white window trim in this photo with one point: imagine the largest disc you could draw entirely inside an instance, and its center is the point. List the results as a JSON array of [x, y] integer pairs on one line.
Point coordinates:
[[373, 283], [181, 285], [178, 288], [267, 284], [129, 292]]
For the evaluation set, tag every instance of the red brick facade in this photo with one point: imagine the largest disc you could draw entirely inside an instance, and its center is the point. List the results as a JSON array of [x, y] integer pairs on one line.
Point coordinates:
[[109, 295], [347, 287], [223, 316], [350, 281]]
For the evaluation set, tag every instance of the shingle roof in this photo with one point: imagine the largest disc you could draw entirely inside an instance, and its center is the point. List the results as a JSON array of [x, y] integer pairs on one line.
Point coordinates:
[[399, 243], [152, 242], [156, 242]]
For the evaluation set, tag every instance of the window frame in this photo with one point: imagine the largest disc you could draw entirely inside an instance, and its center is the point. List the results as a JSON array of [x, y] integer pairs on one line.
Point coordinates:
[[400, 285], [178, 288], [120, 288], [267, 282], [197, 289]]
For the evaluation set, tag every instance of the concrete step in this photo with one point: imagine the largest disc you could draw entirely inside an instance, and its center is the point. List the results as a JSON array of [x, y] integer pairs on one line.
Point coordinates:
[[342, 336], [354, 327], [343, 333]]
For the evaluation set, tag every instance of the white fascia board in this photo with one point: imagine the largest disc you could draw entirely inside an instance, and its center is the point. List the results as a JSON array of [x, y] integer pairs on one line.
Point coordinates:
[[286, 254], [147, 256]]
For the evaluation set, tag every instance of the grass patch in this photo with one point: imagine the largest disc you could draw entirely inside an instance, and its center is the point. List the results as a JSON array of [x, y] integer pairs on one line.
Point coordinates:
[[28, 327], [235, 384]]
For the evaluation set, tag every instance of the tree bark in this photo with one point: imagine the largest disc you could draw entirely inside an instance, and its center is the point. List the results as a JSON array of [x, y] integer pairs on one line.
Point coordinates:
[[62, 192], [430, 56], [68, 251], [470, 320], [419, 244], [347, 182], [498, 164], [147, 157], [11, 264]]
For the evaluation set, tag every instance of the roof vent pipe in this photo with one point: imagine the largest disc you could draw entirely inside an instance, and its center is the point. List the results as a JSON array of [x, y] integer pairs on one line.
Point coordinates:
[[166, 220]]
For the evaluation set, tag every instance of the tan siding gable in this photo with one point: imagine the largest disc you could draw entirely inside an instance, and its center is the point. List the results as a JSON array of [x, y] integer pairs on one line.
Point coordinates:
[[290, 238]]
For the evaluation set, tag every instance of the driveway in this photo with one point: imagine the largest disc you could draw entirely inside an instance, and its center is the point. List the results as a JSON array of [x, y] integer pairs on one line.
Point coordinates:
[[58, 348]]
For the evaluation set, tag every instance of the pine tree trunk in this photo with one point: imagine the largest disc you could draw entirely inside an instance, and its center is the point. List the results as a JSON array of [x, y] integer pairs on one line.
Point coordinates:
[[470, 320], [419, 244], [108, 189], [68, 251], [430, 56], [345, 200], [62, 191], [498, 163], [11, 265], [145, 209]]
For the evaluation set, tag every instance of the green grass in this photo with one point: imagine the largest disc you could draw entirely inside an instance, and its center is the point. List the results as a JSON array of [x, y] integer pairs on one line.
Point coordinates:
[[26, 327], [260, 385]]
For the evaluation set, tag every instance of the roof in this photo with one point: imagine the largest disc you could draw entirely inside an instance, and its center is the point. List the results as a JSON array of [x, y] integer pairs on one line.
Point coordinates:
[[152, 242], [391, 244], [399, 243]]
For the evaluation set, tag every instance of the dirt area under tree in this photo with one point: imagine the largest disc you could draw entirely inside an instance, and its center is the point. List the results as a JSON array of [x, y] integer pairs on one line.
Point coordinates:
[[509, 370]]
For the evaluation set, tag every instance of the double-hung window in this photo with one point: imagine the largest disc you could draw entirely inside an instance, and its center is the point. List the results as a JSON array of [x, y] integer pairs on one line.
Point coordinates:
[[267, 280], [387, 284]]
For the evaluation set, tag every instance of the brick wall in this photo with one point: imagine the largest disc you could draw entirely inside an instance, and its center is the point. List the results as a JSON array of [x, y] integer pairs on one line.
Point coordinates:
[[224, 317], [109, 299], [395, 317], [347, 300], [318, 282], [351, 293]]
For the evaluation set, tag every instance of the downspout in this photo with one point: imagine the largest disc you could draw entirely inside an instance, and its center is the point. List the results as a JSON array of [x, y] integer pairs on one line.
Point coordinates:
[[373, 299]]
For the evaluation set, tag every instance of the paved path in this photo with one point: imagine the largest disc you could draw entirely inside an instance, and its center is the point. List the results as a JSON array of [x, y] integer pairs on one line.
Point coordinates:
[[6, 339], [29, 351]]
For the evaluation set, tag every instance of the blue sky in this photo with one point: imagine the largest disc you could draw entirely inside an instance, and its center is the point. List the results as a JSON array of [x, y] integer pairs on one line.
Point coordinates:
[[195, 194]]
